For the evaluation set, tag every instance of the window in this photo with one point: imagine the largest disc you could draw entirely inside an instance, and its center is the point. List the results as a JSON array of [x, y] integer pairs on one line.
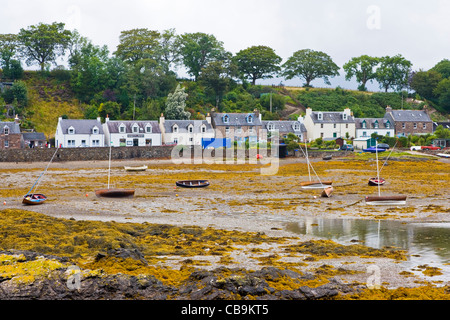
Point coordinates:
[[227, 129], [321, 126], [270, 127], [296, 127], [424, 126], [334, 134], [363, 124], [321, 134], [135, 128], [175, 140], [95, 130], [175, 129], [403, 125], [388, 134], [122, 128], [203, 129], [71, 143], [148, 128], [334, 125], [191, 139], [415, 125], [6, 131], [83, 143], [346, 126], [95, 143], [250, 119], [320, 116], [239, 129], [71, 130], [130, 143], [250, 130], [344, 116], [226, 119], [388, 125], [191, 128], [6, 143], [364, 133], [375, 125]]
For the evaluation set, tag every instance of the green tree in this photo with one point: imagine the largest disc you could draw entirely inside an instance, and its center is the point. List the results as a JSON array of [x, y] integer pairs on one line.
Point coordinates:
[[442, 91], [17, 93], [257, 62], [198, 49], [216, 76], [137, 44], [424, 82], [175, 105], [443, 67], [89, 69], [441, 132], [393, 72], [9, 45], [170, 48], [363, 68], [43, 43], [308, 64]]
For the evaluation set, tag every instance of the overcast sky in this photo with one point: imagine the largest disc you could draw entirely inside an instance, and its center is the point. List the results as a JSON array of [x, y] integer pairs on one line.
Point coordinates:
[[418, 30]]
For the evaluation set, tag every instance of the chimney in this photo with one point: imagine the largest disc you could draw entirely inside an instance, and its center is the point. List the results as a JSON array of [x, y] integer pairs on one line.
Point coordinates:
[[308, 111], [388, 109], [99, 119], [107, 118], [161, 118], [16, 119], [208, 118], [257, 114], [425, 109]]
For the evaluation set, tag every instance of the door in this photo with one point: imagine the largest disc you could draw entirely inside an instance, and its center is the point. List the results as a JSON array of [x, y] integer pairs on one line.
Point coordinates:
[[135, 142]]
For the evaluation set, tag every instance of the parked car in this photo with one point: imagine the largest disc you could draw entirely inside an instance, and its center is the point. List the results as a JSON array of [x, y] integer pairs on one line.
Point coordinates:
[[415, 148], [347, 147], [430, 147], [383, 146]]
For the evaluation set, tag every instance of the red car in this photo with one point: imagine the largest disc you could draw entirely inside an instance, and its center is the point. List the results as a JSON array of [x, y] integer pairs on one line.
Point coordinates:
[[431, 147]]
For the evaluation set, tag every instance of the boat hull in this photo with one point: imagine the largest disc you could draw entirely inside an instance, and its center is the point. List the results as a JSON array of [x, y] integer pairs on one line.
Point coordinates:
[[192, 183], [143, 168], [376, 181], [114, 193], [315, 184], [385, 200], [34, 199], [373, 150], [326, 193]]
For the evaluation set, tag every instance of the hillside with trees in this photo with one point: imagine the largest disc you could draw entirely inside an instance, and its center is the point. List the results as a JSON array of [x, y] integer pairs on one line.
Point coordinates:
[[139, 79]]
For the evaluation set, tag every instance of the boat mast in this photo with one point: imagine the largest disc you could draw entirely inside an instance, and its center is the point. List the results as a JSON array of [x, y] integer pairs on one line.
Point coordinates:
[[378, 171], [109, 165], [307, 161], [43, 172]]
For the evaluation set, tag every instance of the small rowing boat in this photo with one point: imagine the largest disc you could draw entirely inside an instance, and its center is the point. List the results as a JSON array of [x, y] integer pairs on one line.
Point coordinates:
[[34, 199], [385, 200], [376, 181], [315, 184], [141, 168], [192, 183], [326, 193], [114, 193]]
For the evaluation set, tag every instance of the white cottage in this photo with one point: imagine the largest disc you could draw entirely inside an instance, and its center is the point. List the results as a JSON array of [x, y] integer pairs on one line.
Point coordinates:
[[329, 125], [131, 133], [186, 132], [76, 133]]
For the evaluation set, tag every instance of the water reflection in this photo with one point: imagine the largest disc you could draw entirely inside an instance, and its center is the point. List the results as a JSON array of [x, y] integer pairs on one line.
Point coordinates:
[[426, 243]]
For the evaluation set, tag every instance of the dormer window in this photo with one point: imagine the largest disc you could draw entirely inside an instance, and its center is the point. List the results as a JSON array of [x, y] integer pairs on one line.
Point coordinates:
[[71, 130], [6, 130], [122, 128], [148, 128], [296, 127], [94, 130], [226, 119], [175, 128], [344, 116], [375, 124], [190, 128], [388, 125], [135, 128], [363, 124], [270, 127], [250, 119], [320, 116], [203, 128]]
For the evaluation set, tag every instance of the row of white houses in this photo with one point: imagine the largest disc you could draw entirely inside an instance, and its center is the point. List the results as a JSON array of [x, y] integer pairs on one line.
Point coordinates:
[[238, 126]]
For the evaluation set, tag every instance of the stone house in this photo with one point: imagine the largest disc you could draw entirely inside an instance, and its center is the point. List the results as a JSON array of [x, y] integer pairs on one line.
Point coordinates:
[[239, 127], [284, 127], [10, 135], [408, 122]]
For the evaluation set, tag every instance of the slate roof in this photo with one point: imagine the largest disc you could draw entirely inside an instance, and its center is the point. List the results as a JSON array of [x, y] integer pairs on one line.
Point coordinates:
[[408, 115], [184, 124], [331, 117], [113, 126], [284, 126], [236, 119], [30, 136], [13, 127], [82, 126], [370, 123]]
